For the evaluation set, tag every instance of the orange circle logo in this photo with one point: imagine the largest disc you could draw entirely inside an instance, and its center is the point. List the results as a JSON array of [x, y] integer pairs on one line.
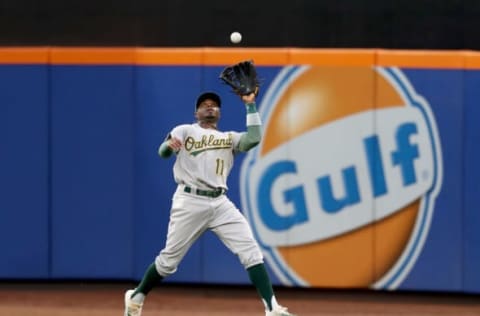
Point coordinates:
[[340, 192]]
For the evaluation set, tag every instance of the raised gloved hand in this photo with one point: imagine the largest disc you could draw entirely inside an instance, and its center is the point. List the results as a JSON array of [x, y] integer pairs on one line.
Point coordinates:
[[242, 78]]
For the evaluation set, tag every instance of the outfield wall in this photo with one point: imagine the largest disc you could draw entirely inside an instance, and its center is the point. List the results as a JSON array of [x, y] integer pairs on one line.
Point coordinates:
[[366, 176]]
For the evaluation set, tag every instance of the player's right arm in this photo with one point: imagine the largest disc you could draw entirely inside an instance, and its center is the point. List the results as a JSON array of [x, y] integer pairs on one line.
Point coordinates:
[[170, 146], [172, 143], [165, 150]]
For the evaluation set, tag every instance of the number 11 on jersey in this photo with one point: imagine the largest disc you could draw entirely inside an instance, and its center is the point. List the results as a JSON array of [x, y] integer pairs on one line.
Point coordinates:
[[219, 167]]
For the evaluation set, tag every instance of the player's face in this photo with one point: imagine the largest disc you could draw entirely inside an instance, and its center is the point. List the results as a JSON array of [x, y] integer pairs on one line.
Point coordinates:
[[208, 111]]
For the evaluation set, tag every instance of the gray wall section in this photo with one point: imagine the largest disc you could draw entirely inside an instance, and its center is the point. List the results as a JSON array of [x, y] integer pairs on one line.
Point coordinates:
[[449, 24]]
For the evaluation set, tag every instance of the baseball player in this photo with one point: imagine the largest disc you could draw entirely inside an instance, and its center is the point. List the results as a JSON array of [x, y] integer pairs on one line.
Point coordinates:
[[204, 158]]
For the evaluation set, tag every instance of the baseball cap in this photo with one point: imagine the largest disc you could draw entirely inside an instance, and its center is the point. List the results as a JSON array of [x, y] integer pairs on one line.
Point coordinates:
[[208, 95]]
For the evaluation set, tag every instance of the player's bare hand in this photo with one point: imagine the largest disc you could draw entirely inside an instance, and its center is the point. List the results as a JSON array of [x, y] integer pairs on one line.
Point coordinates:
[[249, 98], [175, 144]]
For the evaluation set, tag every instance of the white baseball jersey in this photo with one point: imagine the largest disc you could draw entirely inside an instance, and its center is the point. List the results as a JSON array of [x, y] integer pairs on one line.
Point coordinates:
[[206, 157], [204, 162]]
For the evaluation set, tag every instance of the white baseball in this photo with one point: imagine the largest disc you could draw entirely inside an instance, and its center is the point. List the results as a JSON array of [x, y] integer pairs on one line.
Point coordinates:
[[235, 37]]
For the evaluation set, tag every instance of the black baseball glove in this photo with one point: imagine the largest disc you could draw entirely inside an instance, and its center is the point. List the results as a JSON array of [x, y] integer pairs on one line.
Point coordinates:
[[242, 77]]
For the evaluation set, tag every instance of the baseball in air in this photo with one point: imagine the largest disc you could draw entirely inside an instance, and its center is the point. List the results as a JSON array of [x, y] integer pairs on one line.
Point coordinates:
[[235, 37]]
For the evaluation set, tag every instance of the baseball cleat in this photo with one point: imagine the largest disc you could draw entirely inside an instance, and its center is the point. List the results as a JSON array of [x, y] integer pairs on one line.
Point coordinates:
[[279, 311], [132, 308]]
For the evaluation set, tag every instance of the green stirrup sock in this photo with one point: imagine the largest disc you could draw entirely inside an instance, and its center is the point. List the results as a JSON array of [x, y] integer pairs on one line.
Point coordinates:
[[259, 277], [150, 279]]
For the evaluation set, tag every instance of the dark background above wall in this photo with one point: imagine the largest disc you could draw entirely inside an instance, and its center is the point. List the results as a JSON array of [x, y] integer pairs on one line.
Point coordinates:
[[419, 24]]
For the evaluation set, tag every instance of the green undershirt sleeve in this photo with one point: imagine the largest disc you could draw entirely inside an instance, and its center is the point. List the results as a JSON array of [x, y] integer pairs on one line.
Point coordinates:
[[253, 136], [164, 151]]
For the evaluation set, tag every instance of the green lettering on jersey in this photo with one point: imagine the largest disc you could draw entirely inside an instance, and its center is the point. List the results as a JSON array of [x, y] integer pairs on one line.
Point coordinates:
[[195, 147]]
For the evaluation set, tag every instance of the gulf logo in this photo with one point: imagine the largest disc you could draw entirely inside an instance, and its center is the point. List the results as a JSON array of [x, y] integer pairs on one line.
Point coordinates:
[[341, 191]]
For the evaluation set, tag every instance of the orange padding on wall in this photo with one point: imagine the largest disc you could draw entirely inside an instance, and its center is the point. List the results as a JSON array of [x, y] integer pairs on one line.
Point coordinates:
[[224, 56]]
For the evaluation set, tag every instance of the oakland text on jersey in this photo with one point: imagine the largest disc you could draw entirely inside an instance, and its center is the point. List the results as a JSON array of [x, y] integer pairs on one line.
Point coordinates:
[[207, 142]]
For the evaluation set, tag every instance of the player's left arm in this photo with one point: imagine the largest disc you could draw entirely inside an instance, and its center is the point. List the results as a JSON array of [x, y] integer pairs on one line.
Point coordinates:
[[253, 136]]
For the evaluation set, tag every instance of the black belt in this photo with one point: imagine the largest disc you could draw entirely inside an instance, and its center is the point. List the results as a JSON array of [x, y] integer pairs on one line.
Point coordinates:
[[210, 193]]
